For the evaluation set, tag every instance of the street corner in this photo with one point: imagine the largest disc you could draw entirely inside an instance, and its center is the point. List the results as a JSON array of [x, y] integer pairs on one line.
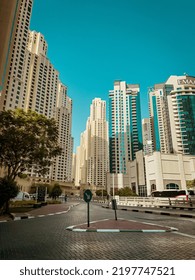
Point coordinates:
[[120, 225], [6, 218], [48, 210]]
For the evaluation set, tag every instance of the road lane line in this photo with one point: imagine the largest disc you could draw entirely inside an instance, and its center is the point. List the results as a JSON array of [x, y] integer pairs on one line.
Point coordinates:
[[184, 234]]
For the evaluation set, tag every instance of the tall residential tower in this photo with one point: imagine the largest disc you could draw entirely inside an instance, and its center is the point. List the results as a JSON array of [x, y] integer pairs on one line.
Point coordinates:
[[181, 104], [9, 12], [45, 94], [125, 129], [92, 155], [159, 118], [172, 115], [12, 95], [28, 80], [147, 140]]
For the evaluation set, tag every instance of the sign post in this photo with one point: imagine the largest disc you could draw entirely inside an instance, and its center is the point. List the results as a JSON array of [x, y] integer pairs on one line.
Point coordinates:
[[87, 197]]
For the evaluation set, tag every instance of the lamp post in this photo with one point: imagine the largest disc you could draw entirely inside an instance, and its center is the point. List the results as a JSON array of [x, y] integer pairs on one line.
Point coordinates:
[[113, 185]]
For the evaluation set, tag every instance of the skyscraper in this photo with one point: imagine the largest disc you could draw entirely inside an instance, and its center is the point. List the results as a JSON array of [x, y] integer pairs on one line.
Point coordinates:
[[8, 19], [45, 94], [181, 103], [29, 80], [147, 138], [159, 118], [93, 150], [125, 130], [41, 79], [62, 166], [172, 115], [12, 94]]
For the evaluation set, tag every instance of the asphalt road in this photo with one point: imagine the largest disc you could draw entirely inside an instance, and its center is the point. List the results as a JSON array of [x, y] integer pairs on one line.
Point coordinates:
[[46, 237]]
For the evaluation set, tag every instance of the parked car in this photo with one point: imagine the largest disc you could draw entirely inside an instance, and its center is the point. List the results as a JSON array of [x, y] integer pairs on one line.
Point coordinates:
[[22, 196]]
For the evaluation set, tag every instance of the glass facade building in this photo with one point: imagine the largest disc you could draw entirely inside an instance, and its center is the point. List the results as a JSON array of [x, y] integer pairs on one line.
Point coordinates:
[[172, 115], [125, 130], [186, 114]]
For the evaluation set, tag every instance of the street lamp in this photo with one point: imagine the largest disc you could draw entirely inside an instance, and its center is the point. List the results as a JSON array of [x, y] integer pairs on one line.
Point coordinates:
[[113, 185]]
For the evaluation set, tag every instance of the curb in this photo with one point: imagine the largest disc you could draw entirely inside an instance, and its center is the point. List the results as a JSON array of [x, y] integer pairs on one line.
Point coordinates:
[[27, 216], [120, 230], [38, 216], [160, 213], [156, 212], [76, 228]]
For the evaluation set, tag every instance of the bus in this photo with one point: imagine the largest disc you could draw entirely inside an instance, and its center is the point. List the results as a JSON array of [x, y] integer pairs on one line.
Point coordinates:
[[177, 194]]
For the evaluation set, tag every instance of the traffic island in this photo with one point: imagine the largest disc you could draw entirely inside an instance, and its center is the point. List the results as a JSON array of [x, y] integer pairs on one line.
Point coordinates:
[[119, 225]]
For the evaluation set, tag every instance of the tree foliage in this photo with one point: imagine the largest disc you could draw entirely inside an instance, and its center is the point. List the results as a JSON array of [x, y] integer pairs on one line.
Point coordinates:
[[191, 184], [56, 191], [27, 139], [126, 191], [8, 189], [101, 192]]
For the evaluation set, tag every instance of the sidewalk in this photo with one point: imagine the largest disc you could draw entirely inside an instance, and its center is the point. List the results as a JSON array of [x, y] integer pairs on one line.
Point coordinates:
[[48, 210], [158, 211]]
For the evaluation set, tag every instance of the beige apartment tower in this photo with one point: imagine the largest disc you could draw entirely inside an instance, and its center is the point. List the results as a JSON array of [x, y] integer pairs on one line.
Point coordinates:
[[45, 94], [13, 51], [28, 80], [92, 157], [8, 19]]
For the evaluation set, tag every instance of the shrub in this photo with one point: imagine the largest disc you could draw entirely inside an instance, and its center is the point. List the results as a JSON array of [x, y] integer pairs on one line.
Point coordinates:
[[8, 189], [54, 202]]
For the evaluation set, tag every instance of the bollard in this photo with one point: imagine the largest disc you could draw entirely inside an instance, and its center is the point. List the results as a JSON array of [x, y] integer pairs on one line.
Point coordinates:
[[114, 207], [190, 202]]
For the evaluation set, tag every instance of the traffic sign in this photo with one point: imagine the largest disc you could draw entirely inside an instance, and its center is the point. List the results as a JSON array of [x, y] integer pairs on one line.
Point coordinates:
[[87, 195]]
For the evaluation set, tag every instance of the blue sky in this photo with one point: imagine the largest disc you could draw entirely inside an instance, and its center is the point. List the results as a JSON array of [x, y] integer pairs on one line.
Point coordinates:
[[94, 42]]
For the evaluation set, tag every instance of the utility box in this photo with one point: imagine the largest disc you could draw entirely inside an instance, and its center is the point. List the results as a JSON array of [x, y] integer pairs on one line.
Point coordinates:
[[114, 205]]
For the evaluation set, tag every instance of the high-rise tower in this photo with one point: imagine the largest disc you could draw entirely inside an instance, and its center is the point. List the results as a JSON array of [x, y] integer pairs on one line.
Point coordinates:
[[125, 129], [97, 160], [172, 115], [8, 20], [28, 79], [147, 138], [41, 79], [62, 166], [181, 103], [12, 95], [159, 118], [45, 94], [93, 151]]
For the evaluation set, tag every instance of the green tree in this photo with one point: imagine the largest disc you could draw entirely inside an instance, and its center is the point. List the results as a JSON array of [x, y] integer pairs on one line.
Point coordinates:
[[191, 184], [27, 139], [8, 189], [126, 191], [56, 191], [100, 192]]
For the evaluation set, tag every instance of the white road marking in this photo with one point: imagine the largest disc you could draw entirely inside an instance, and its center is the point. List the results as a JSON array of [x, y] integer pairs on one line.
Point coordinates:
[[184, 234]]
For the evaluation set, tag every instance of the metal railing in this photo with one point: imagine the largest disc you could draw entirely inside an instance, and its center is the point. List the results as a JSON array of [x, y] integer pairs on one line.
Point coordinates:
[[150, 201]]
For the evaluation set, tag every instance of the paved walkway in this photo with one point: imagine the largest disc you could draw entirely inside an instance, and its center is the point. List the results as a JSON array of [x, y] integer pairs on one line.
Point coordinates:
[[50, 209]]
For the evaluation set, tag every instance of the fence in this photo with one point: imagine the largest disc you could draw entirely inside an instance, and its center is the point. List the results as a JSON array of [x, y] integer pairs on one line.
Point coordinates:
[[150, 201]]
